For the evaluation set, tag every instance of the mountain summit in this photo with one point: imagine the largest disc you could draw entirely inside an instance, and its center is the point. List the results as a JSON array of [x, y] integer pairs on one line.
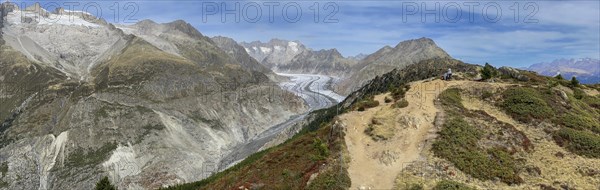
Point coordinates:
[[387, 59]]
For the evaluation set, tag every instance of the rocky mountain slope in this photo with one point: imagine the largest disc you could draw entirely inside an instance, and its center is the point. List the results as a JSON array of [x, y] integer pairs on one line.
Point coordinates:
[[325, 62], [407, 129], [147, 105], [238, 52], [387, 58], [586, 70], [293, 57], [274, 53]]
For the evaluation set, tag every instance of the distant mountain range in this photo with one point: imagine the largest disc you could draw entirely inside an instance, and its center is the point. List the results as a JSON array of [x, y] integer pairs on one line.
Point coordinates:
[[587, 70], [293, 57]]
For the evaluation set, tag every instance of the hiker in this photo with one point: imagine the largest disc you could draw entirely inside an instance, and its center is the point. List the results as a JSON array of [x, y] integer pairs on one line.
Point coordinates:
[[447, 75]]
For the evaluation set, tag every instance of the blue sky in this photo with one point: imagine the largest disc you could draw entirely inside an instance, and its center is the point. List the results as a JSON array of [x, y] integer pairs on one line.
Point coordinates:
[[512, 33]]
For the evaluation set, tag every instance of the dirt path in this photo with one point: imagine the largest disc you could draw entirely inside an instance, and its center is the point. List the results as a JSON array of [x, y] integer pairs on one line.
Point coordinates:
[[375, 164]]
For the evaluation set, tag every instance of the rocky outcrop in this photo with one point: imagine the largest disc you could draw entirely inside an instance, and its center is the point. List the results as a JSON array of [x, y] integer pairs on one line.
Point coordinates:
[[513, 73]]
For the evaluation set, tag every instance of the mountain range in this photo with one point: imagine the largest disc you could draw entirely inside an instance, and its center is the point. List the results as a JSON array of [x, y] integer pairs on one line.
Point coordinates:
[[152, 105], [587, 70], [146, 104]]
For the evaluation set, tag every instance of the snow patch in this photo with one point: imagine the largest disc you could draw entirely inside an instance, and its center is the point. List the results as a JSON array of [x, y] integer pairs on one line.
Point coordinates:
[[20, 17], [265, 50], [293, 46], [278, 48]]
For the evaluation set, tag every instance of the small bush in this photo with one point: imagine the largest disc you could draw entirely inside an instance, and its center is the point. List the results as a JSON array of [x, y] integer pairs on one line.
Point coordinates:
[[579, 142], [399, 92], [400, 104], [559, 77], [104, 184], [580, 122], [387, 99], [592, 101], [451, 97], [578, 93], [451, 185], [412, 186], [525, 104], [486, 94], [321, 147], [366, 104]]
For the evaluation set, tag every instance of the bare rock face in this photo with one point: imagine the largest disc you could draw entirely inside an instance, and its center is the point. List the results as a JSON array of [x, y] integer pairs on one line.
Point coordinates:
[[512, 72], [387, 59], [55, 39], [293, 57], [325, 62], [148, 105]]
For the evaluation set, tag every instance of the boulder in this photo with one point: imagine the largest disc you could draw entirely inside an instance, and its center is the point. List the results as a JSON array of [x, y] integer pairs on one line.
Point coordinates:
[[513, 73]]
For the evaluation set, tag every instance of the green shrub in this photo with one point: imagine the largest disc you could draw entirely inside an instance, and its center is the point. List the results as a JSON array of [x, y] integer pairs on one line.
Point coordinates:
[[488, 72], [387, 99], [578, 93], [592, 101], [579, 142], [104, 184], [525, 104], [457, 142], [451, 185], [366, 104], [580, 122], [321, 147], [486, 94], [399, 92], [559, 77], [451, 97], [400, 104], [574, 82], [412, 186]]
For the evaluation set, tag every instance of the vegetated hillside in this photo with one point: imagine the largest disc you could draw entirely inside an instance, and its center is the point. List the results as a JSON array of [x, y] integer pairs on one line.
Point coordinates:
[[512, 129]]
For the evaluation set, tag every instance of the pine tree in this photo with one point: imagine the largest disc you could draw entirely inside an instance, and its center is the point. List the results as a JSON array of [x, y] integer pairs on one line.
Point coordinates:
[[574, 82], [559, 77], [104, 184], [488, 72]]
